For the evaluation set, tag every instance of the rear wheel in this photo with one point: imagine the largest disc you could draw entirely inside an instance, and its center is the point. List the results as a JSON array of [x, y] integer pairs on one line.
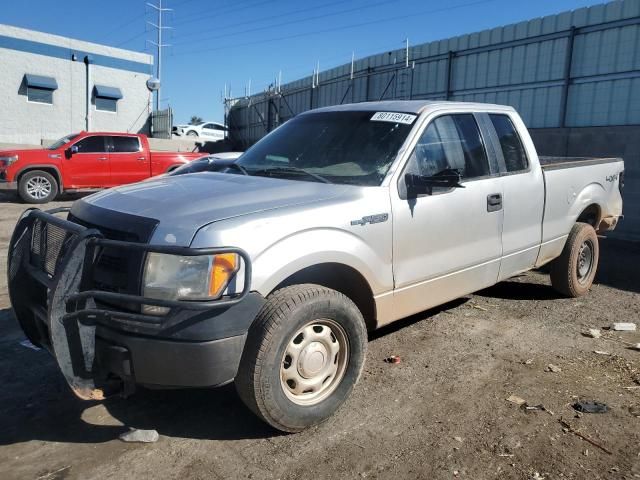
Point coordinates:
[[303, 356], [37, 186], [572, 273]]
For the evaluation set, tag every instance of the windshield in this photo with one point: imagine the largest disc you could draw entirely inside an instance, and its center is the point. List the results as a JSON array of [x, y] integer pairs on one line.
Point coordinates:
[[64, 140], [348, 147]]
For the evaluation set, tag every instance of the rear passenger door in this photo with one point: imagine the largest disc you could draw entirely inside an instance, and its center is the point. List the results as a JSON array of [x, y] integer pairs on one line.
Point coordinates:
[[523, 194], [448, 243], [129, 162]]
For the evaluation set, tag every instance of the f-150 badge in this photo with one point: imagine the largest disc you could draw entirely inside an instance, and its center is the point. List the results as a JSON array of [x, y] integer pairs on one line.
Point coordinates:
[[378, 218]]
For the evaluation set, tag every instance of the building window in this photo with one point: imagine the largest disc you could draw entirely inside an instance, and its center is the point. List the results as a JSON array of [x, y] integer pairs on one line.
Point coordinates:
[[106, 104], [106, 98], [40, 89], [40, 95]]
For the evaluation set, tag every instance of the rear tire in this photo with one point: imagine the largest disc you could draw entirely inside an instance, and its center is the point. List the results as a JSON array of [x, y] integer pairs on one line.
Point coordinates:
[[37, 186], [303, 356], [572, 273]]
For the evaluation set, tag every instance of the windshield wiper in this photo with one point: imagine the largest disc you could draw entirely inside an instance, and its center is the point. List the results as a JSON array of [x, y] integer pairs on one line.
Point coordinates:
[[317, 177], [239, 167]]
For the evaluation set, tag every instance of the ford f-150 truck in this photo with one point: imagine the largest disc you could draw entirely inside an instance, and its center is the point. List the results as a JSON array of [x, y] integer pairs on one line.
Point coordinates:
[[84, 161], [271, 273]]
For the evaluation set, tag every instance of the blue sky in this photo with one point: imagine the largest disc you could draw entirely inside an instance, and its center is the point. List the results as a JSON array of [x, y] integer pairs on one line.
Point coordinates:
[[223, 41]]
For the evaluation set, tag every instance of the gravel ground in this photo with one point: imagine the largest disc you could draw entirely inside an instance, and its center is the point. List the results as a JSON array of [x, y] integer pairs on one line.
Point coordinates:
[[441, 413]]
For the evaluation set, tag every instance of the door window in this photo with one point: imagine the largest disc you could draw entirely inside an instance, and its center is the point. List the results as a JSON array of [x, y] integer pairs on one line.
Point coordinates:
[[515, 158], [450, 142], [91, 145], [125, 144]]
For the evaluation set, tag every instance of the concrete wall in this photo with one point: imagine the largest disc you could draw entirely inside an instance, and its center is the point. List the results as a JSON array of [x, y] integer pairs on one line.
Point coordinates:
[[28, 52], [621, 141]]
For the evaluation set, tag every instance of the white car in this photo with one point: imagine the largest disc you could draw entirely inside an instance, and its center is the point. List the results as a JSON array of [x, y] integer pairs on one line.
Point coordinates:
[[209, 131]]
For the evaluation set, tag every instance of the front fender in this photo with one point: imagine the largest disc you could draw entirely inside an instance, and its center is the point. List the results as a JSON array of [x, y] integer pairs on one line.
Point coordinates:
[[312, 247]]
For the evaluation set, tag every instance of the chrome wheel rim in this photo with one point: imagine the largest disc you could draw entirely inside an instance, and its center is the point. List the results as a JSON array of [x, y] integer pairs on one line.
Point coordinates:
[[585, 261], [38, 187], [314, 362]]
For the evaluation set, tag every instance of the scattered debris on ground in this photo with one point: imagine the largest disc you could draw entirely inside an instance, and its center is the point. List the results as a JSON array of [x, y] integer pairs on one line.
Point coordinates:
[[140, 436], [591, 407], [601, 352], [624, 327], [594, 333], [516, 399], [395, 359], [28, 344], [553, 368], [584, 437]]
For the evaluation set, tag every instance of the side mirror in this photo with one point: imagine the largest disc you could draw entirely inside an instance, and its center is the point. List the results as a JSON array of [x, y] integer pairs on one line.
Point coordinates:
[[420, 184], [70, 151]]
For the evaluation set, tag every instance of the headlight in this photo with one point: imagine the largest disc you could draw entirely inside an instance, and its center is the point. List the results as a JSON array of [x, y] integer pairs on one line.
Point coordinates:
[[6, 161], [175, 277]]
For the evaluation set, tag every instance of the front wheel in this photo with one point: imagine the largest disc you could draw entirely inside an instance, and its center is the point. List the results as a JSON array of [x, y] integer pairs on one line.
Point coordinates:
[[191, 133], [37, 187], [572, 273], [303, 356]]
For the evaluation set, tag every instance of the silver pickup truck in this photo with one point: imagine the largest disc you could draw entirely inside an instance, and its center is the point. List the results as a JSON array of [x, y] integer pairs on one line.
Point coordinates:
[[272, 271]]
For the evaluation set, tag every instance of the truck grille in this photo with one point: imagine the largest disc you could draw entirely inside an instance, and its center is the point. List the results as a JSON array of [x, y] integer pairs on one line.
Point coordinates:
[[48, 244], [118, 270]]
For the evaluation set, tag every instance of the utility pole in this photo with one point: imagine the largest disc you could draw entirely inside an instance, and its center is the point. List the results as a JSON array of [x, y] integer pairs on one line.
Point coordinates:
[[159, 45]]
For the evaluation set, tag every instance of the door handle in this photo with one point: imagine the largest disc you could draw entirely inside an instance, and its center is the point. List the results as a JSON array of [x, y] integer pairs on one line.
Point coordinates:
[[141, 159], [102, 159], [494, 202]]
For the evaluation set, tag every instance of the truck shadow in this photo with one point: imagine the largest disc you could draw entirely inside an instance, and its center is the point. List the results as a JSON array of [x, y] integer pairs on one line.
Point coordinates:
[[36, 404], [65, 197]]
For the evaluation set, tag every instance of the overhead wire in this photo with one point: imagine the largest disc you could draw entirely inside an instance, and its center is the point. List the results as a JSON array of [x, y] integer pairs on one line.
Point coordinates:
[[334, 29], [297, 21]]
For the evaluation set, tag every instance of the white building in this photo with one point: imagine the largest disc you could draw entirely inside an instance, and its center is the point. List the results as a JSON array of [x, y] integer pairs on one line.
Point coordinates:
[[51, 86]]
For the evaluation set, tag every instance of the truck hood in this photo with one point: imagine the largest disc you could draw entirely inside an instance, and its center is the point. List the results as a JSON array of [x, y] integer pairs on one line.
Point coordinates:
[[185, 203], [26, 151]]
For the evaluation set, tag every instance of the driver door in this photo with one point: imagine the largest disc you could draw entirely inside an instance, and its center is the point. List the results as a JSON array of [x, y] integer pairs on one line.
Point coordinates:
[[447, 243], [89, 166]]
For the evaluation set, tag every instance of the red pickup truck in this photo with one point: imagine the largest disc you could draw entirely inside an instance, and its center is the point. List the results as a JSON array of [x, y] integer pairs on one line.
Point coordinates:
[[84, 161]]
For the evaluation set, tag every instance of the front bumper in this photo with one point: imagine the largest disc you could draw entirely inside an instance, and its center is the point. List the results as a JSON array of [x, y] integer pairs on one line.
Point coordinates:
[[4, 185], [50, 273]]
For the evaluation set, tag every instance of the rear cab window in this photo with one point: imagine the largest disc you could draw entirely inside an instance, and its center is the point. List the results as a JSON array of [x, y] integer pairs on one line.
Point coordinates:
[[125, 145], [515, 157]]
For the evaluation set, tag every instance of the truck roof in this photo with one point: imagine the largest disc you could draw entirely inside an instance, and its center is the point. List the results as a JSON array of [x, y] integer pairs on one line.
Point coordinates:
[[410, 106]]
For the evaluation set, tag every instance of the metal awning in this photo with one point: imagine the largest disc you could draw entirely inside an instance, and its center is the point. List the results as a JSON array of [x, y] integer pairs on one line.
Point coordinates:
[[38, 81], [108, 92]]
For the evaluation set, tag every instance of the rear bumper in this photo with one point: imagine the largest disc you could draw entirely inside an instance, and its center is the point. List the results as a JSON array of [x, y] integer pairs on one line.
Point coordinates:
[[197, 344]]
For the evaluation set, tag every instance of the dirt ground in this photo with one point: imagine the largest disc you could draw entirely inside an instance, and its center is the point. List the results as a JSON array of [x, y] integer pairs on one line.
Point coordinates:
[[441, 413]]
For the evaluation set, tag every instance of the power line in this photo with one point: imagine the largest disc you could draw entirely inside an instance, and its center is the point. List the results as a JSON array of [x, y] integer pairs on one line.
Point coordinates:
[[200, 17], [301, 20], [334, 29], [258, 20]]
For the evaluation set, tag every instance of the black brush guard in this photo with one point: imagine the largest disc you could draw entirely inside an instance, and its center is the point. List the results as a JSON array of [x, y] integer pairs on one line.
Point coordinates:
[[50, 279]]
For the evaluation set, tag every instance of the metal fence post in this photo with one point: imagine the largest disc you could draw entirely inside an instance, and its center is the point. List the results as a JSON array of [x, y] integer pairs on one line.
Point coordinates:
[[450, 56], [567, 77]]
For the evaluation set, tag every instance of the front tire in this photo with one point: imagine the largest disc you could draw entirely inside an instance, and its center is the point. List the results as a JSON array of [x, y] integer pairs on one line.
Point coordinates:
[[192, 134], [37, 186], [572, 273], [304, 354]]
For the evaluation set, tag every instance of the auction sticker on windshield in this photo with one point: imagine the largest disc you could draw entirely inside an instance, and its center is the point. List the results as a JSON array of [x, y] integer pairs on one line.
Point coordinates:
[[393, 117]]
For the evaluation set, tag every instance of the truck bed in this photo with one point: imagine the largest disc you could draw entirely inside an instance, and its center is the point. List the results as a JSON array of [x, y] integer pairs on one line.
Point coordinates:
[[555, 163]]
